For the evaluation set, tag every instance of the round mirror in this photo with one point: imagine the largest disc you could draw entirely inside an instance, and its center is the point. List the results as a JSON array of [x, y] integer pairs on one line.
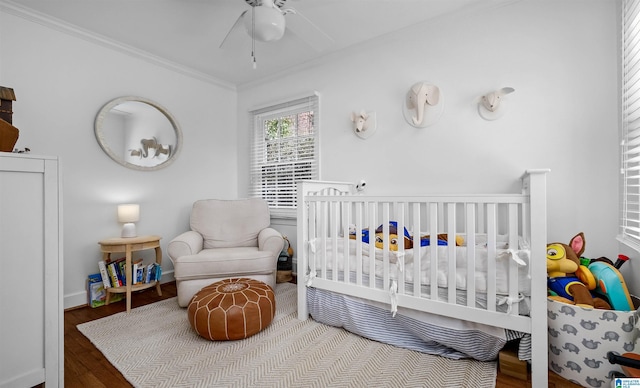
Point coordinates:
[[138, 133]]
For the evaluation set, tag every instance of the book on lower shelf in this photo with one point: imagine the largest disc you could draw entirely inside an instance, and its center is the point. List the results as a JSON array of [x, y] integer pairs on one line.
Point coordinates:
[[158, 273], [97, 293], [137, 272], [113, 267], [114, 273], [104, 275], [149, 274]]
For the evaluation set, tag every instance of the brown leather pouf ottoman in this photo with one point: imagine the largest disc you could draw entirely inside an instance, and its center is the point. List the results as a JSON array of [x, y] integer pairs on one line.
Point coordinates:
[[232, 309]]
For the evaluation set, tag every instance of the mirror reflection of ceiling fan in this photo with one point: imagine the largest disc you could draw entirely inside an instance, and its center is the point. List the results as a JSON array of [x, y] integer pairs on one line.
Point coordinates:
[[269, 20]]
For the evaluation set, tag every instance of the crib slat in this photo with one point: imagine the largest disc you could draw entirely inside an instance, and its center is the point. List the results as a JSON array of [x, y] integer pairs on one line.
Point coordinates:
[[417, 251], [525, 214], [333, 235], [345, 211], [358, 241], [491, 256], [433, 247], [451, 250], [324, 216], [470, 215], [385, 245], [397, 272], [513, 266], [372, 246]]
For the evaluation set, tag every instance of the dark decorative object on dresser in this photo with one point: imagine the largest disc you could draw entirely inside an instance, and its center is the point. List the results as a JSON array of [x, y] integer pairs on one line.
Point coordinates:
[[7, 96], [8, 133]]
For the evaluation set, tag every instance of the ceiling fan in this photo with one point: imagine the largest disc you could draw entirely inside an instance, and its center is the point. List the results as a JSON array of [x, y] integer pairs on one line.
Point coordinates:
[[266, 22]]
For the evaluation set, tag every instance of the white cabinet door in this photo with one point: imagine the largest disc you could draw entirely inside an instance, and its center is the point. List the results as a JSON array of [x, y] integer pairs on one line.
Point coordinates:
[[31, 316]]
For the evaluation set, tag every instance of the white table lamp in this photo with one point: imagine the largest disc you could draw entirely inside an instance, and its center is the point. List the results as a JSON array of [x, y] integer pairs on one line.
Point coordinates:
[[128, 214]]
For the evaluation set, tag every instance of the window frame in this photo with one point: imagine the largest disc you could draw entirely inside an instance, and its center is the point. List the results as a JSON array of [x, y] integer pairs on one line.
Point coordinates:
[[281, 194], [629, 228]]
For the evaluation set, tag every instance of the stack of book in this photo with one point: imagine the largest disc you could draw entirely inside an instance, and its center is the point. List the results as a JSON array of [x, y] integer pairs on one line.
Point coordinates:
[[96, 295], [112, 272]]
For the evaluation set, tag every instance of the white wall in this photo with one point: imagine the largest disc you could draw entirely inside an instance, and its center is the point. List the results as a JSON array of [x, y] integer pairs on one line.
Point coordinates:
[[61, 81], [560, 56], [563, 115]]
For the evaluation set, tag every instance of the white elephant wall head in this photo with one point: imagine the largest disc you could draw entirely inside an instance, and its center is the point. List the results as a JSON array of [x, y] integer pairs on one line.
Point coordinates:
[[420, 97]]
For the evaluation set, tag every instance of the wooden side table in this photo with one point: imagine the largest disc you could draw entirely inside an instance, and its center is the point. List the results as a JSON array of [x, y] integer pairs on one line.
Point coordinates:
[[129, 245]]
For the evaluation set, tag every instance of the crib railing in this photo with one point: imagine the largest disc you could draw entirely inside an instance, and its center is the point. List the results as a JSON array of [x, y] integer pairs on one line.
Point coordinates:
[[330, 219]]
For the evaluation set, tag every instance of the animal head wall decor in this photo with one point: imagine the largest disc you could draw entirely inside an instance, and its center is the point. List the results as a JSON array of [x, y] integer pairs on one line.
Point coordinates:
[[423, 104], [490, 104], [364, 123], [360, 121]]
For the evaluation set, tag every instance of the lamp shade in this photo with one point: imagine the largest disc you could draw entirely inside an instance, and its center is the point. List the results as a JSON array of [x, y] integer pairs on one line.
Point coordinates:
[[128, 213]]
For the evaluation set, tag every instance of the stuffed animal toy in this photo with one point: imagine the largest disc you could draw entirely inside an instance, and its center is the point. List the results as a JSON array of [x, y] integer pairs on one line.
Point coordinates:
[[408, 239], [570, 281]]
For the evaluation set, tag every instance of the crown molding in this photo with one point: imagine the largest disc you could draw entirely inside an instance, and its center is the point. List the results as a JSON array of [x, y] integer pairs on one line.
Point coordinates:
[[376, 42], [48, 21]]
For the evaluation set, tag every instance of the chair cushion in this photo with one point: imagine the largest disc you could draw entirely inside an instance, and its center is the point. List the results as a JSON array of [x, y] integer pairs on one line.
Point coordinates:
[[224, 261], [230, 223]]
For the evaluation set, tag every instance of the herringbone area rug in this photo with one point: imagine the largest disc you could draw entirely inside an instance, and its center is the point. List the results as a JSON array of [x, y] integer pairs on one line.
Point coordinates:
[[154, 346]]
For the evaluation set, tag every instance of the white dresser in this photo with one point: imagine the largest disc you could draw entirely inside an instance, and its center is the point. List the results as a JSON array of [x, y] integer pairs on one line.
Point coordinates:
[[31, 271]]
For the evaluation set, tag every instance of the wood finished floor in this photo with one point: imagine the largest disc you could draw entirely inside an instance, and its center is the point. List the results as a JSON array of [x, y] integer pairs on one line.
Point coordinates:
[[86, 367]]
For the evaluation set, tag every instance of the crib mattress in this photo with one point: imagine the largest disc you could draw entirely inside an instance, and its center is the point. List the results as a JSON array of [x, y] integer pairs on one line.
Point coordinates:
[[504, 304]]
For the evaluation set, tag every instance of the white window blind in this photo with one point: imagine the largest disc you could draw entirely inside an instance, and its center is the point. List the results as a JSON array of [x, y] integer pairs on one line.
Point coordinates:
[[630, 144], [284, 151]]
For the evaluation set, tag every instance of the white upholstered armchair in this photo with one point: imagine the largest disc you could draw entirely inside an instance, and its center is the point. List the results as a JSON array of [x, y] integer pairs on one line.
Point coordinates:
[[228, 238]]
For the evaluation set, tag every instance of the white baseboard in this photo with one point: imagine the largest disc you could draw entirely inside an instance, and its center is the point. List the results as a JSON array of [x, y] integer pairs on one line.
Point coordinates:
[[76, 299]]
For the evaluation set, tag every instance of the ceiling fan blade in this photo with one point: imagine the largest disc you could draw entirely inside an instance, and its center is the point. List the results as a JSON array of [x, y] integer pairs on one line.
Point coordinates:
[[235, 25], [308, 31]]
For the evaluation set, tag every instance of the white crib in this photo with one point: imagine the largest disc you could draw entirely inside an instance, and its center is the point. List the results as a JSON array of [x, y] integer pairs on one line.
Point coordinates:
[[496, 278]]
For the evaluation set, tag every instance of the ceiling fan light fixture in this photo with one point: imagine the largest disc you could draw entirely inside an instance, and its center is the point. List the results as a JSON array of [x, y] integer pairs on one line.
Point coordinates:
[[269, 23]]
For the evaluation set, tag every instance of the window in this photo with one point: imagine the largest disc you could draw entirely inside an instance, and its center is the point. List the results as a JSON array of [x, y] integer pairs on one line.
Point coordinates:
[[630, 145], [285, 151]]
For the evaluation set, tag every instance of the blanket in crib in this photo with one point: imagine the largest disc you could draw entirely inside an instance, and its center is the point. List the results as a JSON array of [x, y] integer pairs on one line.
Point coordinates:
[[351, 255]]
